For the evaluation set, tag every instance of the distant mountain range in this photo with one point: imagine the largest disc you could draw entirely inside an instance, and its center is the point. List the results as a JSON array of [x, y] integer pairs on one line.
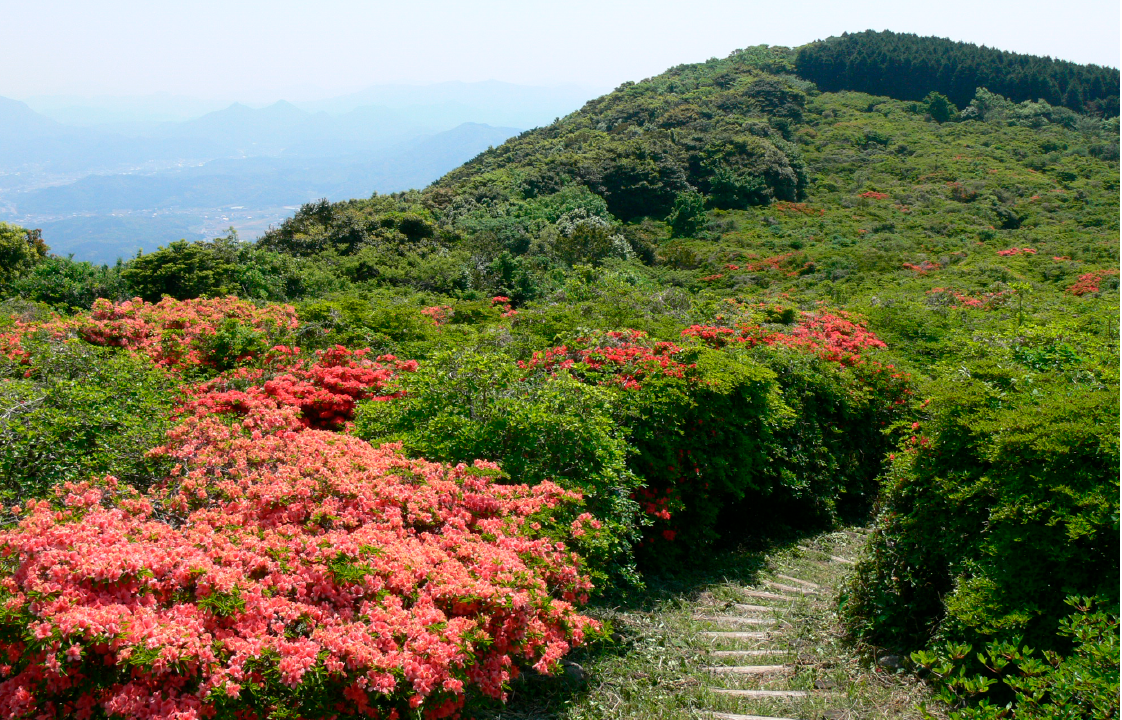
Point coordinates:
[[109, 177]]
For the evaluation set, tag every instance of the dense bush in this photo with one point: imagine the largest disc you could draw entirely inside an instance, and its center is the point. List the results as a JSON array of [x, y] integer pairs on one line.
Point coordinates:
[[182, 270], [324, 388], [178, 335], [663, 436], [839, 406], [347, 227], [463, 405], [67, 285], [1079, 684], [254, 561], [675, 406], [69, 411], [1002, 503]]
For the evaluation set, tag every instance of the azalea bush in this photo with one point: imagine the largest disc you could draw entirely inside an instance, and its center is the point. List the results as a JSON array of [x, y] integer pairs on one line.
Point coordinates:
[[284, 572], [669, 442], [697, 421], [769, 420], [324, 387], [256, 564], [842, 403], [180, 334]]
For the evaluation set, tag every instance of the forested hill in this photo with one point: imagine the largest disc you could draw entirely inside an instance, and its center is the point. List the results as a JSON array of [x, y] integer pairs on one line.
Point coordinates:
[[724, 129], [908, 67]]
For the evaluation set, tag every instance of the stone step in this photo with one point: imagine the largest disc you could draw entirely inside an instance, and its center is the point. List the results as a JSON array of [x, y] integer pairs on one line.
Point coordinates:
[[734, 635], [734, 716], [762, 693], [789, 588], [734, 619], [743, 607], [844, 561], [748, 669], [746, 653], [764, 595], [804, 583]]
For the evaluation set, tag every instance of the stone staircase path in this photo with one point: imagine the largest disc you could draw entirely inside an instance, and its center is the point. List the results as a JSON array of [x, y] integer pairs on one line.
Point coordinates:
[[764, 673]]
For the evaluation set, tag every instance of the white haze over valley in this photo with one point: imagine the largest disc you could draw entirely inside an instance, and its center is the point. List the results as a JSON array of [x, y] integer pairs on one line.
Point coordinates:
[[105, 177]]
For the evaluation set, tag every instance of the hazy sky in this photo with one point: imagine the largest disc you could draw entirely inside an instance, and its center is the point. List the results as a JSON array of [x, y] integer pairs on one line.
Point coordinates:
[[260, 50]]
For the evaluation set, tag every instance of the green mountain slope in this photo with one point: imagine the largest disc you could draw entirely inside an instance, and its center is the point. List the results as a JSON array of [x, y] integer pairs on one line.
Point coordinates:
[[715, 154]]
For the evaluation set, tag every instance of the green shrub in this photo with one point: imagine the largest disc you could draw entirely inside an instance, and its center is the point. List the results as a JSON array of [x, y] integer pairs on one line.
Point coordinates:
[[939, 107], [67, 285], [79, 411], [828, 451], [687, 218], [20, 250], [1002, 504], [381, 322], [702, 442], [466, 405], [182, 270], [232, 342], [1080, 684]]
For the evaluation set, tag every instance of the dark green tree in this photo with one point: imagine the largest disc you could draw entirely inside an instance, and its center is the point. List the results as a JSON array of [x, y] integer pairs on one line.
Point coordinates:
[[182, 270], [939, 107], [19, 251], [688, 216]]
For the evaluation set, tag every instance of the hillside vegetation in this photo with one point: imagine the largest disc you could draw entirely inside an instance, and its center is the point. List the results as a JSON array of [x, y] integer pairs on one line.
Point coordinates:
[[716, 306]]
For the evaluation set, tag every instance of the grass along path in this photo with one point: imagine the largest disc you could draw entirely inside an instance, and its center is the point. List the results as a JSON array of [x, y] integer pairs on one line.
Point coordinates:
[[753, 635]]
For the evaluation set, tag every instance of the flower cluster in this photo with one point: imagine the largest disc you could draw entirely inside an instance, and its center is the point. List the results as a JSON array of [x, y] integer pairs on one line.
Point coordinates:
[[279, 566], [502, 303], [325, 389], [1089, 282], [923, 268], [874, 195], [1016, 251], [654, 503], [170, 332], [775, 262], [787, 263], [173, 334], [621, 358], [439, 314], [11, 348], [983, 301], [836, 337], [798, 208], [305, 570]]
